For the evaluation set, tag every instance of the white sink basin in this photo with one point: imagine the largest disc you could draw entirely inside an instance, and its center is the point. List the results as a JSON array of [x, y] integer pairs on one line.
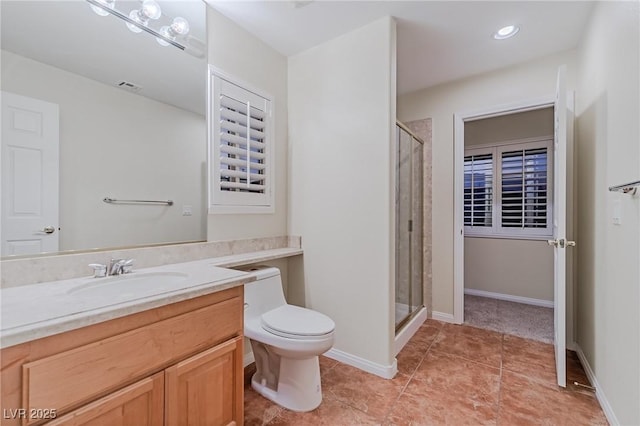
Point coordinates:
[[129, 285]]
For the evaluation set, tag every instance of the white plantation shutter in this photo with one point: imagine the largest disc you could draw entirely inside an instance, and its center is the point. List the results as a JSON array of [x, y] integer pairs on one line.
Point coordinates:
[[524, 188], [241, 148], [478, 190], [508, 190]]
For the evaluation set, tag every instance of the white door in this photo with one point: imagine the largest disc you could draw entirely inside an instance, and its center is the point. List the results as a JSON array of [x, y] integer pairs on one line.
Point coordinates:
[[30, 138], [560, 226]]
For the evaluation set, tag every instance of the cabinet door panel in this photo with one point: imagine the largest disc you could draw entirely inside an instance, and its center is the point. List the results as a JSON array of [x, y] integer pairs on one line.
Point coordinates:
[[206, 389], [139, 404]]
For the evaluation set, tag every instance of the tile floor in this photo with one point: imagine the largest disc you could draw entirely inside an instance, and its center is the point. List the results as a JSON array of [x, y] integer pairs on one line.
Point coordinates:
[[449, 375]]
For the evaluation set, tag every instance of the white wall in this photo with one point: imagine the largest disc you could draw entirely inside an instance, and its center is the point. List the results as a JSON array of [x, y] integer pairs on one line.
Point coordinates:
[[114, 143], [513, 267], [342, 119], [522, 268], [243, 56], [506, 128], [608, 255], [527, 81]]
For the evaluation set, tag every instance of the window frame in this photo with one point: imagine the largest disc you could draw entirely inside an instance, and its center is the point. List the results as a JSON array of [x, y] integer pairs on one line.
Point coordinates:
[[497, 230], [219, 201]]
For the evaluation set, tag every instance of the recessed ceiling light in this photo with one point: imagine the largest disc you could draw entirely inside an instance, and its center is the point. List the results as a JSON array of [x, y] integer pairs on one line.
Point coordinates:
[[506, 32]]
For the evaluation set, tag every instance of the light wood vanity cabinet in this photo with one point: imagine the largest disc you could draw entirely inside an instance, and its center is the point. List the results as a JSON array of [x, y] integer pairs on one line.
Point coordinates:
[[139, 404], [173, 365]]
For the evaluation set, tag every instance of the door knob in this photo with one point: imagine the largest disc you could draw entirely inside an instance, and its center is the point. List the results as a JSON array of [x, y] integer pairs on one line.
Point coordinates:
[[49, 229], [557, 243], [561, 242]]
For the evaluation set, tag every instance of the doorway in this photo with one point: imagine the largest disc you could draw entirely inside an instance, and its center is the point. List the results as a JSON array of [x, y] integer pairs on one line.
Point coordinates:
[[563, 105], [508, 199], [30, 145]]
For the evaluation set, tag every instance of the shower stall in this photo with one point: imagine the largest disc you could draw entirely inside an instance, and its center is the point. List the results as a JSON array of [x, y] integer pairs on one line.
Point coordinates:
[[409, 225]]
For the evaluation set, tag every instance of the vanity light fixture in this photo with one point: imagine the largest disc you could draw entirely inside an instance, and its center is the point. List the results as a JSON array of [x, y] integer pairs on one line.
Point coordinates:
[[147, 18], [506, 32]]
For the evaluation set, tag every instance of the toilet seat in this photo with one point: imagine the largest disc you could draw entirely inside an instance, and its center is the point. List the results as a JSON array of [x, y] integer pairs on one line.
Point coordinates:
[[294, 322]]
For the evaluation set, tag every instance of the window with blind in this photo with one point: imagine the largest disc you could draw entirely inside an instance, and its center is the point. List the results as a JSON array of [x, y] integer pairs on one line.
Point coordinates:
[[240, 148], [478, 190], [524, 188], [507, 190]]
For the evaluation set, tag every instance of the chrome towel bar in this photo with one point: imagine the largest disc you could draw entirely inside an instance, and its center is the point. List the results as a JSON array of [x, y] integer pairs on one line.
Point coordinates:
[[631, 187], [114, 201]]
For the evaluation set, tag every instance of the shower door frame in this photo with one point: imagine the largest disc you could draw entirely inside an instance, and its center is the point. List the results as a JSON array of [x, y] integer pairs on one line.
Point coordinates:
[[416, 311]]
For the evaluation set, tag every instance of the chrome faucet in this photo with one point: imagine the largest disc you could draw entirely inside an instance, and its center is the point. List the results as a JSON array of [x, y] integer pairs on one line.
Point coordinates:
[[120, 266]]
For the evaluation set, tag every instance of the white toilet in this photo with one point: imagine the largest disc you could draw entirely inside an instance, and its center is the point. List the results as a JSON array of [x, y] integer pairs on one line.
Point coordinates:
[[286, 342]]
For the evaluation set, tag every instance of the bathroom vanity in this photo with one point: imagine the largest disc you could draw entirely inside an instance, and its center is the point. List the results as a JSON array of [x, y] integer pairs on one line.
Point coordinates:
[[162, 345], [175, 364]]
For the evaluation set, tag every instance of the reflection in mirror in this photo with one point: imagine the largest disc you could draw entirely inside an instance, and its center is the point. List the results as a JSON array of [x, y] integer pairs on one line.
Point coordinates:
[[93, 110]]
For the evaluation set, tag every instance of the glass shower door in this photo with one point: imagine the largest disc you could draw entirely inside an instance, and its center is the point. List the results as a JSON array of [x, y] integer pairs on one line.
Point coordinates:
[[403, 217], [409, 225]]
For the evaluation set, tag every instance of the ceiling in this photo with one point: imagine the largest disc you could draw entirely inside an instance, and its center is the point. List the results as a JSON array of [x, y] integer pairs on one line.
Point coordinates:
[[438, 41], [70, 36]]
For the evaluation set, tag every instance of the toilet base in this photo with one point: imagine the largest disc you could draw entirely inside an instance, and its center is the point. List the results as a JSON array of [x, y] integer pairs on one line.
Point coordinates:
[[299, 387]]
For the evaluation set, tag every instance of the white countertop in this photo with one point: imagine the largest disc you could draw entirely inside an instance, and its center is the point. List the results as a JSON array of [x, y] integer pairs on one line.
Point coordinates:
[[255, 257], [34, 311]]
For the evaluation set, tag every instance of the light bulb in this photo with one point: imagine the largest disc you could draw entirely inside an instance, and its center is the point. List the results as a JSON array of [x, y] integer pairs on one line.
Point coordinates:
[[135, 16], [151, 9], [506, 32], [164, 31], [180, 26], [102, 10]]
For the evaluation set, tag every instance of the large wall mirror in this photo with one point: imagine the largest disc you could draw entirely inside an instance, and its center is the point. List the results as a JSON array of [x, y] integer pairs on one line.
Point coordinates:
[[106, 112]]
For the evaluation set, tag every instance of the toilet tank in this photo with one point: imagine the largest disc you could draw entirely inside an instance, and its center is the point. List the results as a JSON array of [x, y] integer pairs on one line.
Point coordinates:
[[265, 293]]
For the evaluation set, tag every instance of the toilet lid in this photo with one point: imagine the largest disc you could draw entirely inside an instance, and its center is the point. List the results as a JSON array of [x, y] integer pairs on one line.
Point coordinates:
[[297, 321]]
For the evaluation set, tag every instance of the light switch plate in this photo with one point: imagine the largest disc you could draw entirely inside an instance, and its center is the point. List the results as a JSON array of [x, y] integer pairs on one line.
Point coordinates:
[[617, 212], [187, 210]]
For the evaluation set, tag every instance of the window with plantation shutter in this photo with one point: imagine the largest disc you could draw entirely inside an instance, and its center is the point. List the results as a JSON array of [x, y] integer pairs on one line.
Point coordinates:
[[240, 148], [478, 190], [508, 189], [524, 188]]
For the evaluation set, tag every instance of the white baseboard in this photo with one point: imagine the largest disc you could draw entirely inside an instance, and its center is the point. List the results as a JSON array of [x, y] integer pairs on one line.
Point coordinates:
[[602, 398], [408, 330], [384, 371], [441, 316], [510, 298]]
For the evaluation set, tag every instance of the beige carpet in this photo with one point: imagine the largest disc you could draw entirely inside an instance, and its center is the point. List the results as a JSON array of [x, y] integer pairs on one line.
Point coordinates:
[[518, 319]]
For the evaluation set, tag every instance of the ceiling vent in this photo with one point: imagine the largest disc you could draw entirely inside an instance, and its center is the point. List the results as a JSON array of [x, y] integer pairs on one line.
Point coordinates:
[[130, 87]]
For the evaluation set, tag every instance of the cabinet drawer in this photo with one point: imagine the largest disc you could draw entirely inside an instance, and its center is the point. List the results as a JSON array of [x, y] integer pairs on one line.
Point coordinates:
[[66, 380]]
